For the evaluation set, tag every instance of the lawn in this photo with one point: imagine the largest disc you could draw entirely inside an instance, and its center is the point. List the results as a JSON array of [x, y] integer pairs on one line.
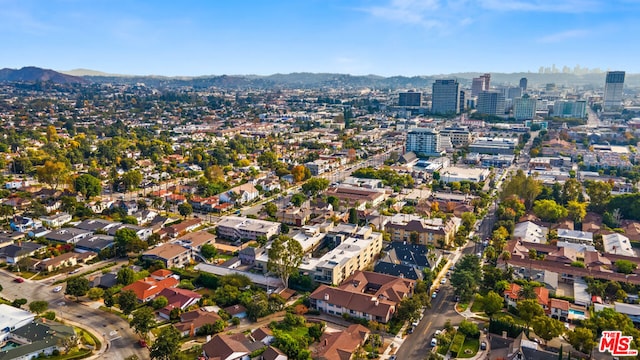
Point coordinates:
[[462, 306], [469, 348]]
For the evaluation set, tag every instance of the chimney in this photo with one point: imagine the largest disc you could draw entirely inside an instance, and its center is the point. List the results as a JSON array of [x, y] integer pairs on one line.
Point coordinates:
[[504, 334], [377, 302], [326, 297]]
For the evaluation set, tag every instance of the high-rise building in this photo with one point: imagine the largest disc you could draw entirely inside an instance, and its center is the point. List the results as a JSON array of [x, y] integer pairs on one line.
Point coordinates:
[[514, 92], [462, 101], [524, 108], [491, 102], [479, 84], [523, 84], [410, 98], [613, 91], [424, 141], [446, 97]]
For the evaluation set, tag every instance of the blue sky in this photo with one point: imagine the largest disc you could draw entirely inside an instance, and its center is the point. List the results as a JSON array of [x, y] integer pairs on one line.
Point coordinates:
[[384, 37]]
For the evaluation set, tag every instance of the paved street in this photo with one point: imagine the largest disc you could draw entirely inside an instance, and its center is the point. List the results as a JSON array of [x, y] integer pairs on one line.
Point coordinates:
[[113, 332]]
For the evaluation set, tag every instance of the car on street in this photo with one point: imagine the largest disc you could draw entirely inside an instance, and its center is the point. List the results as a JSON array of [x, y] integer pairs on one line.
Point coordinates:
[[483, 345], [410, 330], [57, 288], [443, 281], [434, 342], [438, 332], [18, 280], [434, 294], [415, 322]]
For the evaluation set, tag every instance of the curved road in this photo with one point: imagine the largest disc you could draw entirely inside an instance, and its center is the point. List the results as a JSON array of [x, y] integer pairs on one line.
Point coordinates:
[[114, 332]]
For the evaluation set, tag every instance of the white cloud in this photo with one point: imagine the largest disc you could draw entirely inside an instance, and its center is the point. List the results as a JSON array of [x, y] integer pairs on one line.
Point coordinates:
[[560, 6], [563, 36], [415, 12]]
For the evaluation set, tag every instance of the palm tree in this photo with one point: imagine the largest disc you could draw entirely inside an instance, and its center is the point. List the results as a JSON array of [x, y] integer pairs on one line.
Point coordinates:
[[527, 292]]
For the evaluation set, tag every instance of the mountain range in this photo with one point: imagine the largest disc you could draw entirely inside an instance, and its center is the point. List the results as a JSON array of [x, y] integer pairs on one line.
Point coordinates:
[[301, 80]]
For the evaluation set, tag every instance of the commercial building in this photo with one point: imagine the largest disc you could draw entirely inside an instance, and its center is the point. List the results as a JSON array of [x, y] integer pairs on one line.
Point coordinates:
[[523, 84], [480, 84], [445, 98], [424, 142], [353, 195], [613, 91], [524, 108], [410, 99], [491, 102], [459, 136], [574, 109], [494, 146], [457, 174], [236, 228], [172, 255]]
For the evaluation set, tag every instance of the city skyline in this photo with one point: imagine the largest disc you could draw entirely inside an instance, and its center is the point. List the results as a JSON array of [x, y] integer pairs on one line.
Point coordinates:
[[382, 37]]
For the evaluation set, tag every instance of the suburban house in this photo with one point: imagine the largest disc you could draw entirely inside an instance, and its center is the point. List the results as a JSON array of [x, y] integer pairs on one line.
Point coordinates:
[[195, 240], [238, 311], [57, 220], [178, 229], [236, 228], [67, 235], [95, 243], [12, 318], [172, 255], [520, 348], [13, 253], [192, 321], [617, 244], [574, 236], [65, 260], [342, 344], [24, 224], [512, 295], [95, 225], [271, 353], [222, 346], [249, 254], [530, 232], [263, 334], [178, 298], [142, 232], [36, 339], [366, 295], [148, 288], [293, 215], [434, 232], [559, 309], [241, 194]]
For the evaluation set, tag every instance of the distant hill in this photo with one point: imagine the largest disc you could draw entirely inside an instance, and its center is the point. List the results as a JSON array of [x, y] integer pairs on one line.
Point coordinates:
[[34, 74]]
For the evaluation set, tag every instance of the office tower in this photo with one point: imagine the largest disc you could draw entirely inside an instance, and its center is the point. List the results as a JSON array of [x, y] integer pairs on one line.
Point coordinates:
[[491, 102], [514, 92], [424, 142], [462, 101], [410, 98], [479, 84], [524, 108], [613, 91], [446, 97], [523, 84]]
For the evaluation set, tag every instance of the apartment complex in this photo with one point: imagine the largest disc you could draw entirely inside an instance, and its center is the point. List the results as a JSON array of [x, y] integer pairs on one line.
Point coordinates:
[[428, 231], [236, 228]]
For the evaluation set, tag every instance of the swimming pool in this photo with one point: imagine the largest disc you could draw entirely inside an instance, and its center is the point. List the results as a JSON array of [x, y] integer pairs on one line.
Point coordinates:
[[9, 345], [576, 312]]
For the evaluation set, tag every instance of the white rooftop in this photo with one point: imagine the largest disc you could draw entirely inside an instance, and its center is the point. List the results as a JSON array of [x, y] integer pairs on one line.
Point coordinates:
[[617, 244]]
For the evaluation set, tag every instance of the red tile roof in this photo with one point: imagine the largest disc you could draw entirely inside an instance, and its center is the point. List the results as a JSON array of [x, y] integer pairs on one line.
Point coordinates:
[[149, 287]]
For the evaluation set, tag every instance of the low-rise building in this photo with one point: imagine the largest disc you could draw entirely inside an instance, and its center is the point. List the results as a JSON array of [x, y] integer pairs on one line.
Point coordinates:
[[530, 232], [365, 295], [617, 244], [342, 344], [57, 220], [67, 235], [429, 231], [574, 236], [352, 195], [148, 288], [172, 255], [236, 228], [458, 174]]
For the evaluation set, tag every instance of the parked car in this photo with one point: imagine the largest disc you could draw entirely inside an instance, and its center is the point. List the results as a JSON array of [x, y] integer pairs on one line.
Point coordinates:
[[434, 342], [438, 332], [18, 280], [415, 322], [443, 281], [57, 288], [434, 294], [483, 345]]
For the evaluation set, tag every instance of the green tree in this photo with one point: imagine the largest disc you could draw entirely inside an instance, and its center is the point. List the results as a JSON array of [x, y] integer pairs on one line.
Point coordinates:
[[285, 256], [409, 309], [599, 195], [469, 328], [38, 306], [315, 185], [547, 328], [127, 240], [468, 220], [143, 320], [576, 210], [465, 276], [582, 339], [549, 210], [125, 276], [270, 209], [52, 173], [625, 266], [208, 251], [297, 199], [167, 344], [185, 209], [77, 286], [131, 179], [491, 303], [159, 302], [127, 301], [17, 303], [571, 190], [523, 186], [95, 293], [108, 299], [353, 216], [529, 309], [87, 185]]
